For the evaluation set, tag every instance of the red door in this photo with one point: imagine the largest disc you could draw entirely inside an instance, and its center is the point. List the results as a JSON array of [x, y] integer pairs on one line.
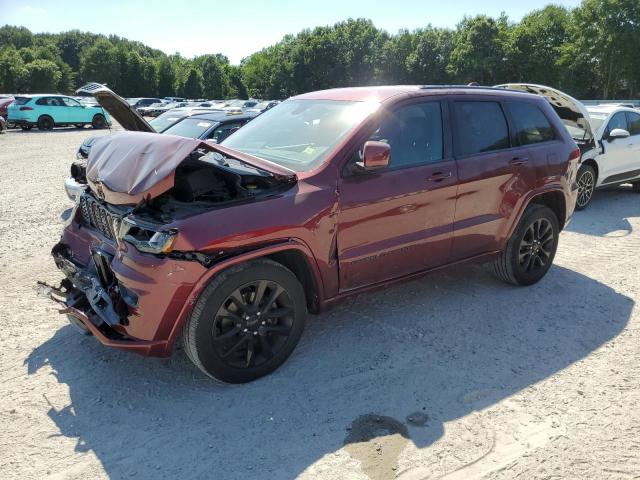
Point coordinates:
[[400, 220], [493, 177]]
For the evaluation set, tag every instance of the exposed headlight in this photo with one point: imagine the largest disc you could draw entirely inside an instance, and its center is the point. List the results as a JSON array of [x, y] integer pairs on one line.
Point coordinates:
[[146, 238], [73, 188]]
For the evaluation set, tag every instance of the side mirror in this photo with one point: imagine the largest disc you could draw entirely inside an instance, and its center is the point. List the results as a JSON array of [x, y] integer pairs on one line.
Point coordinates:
[[376, 155], [618, 133]]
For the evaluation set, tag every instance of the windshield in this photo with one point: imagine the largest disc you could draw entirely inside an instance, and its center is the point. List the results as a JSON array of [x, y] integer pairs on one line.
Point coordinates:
[[132, 101], [597, 119], [161, 122], [299, 134], [190, 127]]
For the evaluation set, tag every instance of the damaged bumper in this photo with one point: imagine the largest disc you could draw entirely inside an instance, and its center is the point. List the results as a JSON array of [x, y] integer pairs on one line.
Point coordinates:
[[126, 299]]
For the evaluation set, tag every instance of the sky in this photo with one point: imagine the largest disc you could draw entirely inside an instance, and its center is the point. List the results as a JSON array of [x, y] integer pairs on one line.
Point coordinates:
[[241, 27]]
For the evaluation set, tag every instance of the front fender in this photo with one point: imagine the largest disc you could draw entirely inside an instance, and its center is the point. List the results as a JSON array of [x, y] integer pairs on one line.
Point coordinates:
[[287, 244]]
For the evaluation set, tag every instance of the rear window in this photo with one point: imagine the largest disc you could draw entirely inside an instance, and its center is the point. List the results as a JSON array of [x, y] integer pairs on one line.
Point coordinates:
[[22, 100], [531, 124], [190, 127], [481, 127]]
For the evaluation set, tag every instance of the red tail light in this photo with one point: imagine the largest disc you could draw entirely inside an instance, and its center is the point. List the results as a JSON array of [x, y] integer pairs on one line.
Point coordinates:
[[575, 154], [22, 109]]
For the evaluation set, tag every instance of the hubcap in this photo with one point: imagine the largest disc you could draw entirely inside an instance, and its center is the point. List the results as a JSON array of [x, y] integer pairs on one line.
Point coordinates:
[[586, 183], [253, 324], [536, 246]]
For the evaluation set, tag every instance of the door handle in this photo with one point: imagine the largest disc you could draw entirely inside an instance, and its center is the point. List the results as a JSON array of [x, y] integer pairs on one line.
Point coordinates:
[[439, 176], [516, 161]]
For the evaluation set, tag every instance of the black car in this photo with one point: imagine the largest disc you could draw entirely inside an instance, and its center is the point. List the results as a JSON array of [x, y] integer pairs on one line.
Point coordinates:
[[214, 126], [142, 102]]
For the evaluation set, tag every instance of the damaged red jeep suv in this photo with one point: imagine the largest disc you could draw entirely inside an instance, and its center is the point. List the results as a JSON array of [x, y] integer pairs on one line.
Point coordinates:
[[227, 247]]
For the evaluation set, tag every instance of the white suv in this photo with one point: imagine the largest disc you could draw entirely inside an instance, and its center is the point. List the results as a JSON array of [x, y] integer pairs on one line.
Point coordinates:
[[608, 137], [616, 158]]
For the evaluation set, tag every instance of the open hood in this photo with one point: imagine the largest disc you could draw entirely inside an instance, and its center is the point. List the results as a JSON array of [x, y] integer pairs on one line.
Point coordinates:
[[118, 108], [572, 112], [128, 167]]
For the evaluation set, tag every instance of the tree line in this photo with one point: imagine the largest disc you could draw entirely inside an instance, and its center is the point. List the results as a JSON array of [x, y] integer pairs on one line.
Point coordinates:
[[590, 51]]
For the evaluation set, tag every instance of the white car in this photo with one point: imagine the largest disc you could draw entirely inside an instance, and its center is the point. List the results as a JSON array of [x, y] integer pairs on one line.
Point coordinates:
[[608, 137]]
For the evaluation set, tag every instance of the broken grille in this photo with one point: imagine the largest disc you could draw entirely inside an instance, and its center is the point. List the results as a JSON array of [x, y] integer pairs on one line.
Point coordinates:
[[98, 217]]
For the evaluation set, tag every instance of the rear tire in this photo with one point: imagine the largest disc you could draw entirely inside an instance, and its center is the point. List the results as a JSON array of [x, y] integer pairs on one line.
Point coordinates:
[[45, 122], [98, 121], [246, 322], [530, 250], [586, 180]]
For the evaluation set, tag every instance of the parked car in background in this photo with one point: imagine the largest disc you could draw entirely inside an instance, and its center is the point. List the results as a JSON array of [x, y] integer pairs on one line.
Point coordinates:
[[209, 124], [608, 136], [142, 102], [175, 99], [49, 111], [4, 103], [263, 106], [159, 108], [228, 246]]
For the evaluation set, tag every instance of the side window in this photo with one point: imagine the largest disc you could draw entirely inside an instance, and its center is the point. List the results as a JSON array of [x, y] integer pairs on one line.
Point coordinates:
[[223, 131], [480, 127], [633, 120], [619, 120], [531, 124], [70, 102], [42, 101], [414, 134], [54, 102]]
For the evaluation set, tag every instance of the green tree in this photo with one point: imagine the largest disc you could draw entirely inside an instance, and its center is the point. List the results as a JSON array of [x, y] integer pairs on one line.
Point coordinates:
[[427, 63], [604, 46], [478, 51], [42, 76], [535, 46], [98, 63], [192, 87], [166, 78], [12, 70]]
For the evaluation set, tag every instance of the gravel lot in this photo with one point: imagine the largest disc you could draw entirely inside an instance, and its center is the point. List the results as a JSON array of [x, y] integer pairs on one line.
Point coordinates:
[[453, 376]]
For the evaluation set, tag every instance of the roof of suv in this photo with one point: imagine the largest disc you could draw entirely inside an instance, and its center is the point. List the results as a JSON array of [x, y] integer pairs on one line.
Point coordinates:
[[382, 93]]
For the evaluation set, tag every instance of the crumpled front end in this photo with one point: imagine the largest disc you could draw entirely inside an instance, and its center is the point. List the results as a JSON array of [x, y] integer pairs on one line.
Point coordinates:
[[127, 299]]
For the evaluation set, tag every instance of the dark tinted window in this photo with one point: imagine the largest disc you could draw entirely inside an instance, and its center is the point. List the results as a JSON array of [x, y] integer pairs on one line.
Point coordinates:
[[223, 131], [617, 121], [414, 133], [633, 121], [22, 100], [480, 127], [530, 123]]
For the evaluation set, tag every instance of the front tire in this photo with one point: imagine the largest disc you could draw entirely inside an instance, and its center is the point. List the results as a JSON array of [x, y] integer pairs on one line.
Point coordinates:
[[246, 322], [98, 121], [586, 180], [530, 250], [45, 123]]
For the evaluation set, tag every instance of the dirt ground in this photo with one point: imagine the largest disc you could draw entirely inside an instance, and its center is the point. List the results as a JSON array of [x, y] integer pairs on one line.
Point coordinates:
[[454, 376]]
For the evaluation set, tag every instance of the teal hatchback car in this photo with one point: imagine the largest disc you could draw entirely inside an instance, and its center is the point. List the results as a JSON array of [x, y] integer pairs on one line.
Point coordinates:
[[48, 111]]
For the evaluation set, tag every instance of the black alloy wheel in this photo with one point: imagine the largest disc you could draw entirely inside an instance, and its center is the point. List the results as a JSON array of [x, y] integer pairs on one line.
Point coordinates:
[[98, 122], [536, 246], [586, 185], [45, 123], [530, 251], [246, 322], [253, 324]]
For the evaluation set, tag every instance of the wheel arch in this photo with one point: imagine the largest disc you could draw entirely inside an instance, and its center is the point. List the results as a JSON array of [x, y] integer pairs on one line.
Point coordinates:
[[593, 164], [293, 254], [555, 200], [43, 115]]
